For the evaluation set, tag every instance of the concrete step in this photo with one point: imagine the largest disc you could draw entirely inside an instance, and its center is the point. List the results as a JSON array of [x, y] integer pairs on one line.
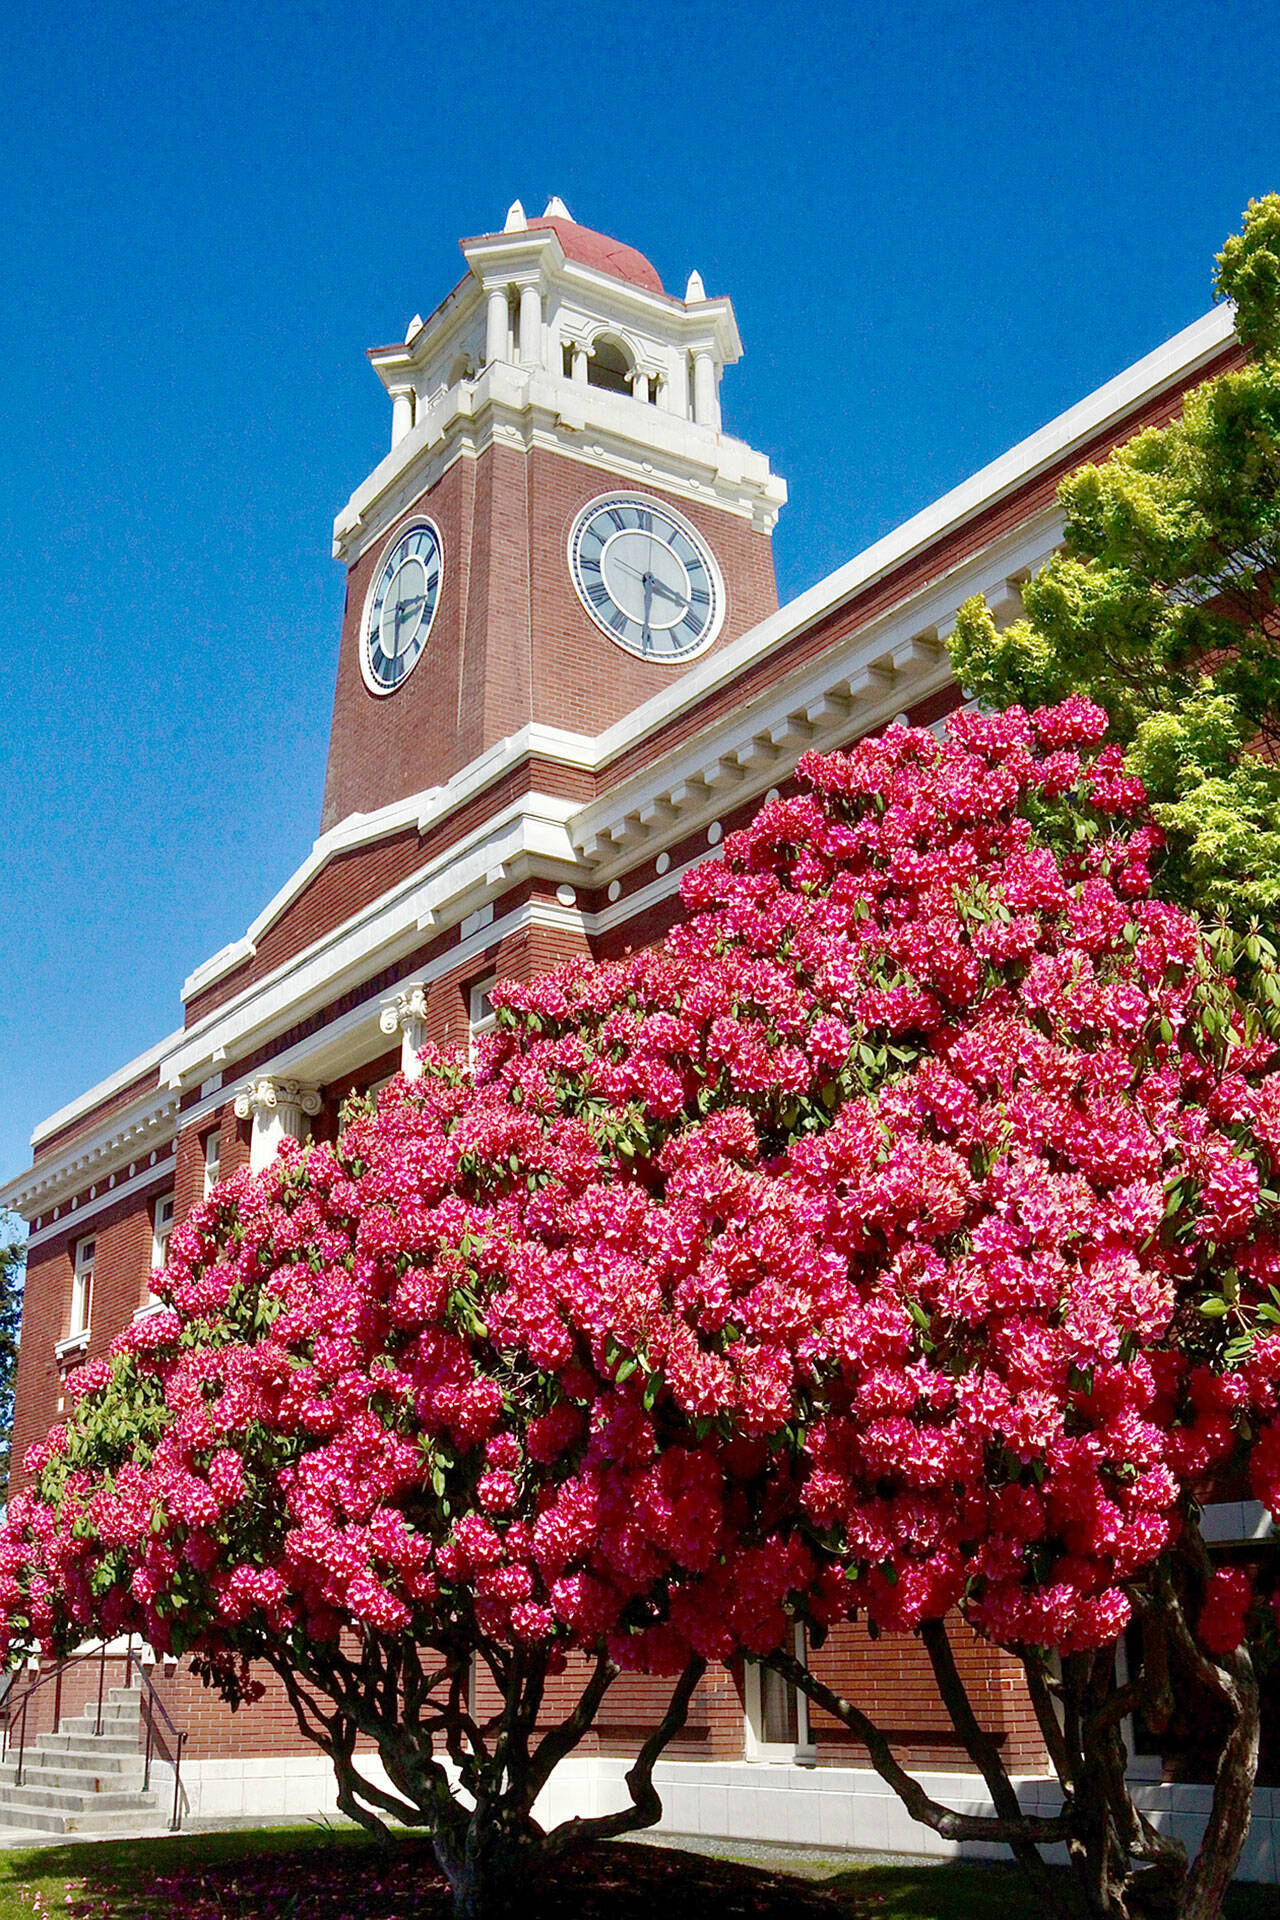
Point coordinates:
[[112, 1710], [37, 1771], [88, 1757], [90, 1745], [73, 1800], [148, 1819]]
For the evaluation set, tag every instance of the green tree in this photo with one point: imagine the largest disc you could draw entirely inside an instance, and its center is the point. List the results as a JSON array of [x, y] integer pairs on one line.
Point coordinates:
[[1164, 606], [13, 1267]]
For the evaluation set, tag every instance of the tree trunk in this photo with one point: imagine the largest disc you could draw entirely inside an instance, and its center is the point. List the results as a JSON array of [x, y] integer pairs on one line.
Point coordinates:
[[492, 1880]]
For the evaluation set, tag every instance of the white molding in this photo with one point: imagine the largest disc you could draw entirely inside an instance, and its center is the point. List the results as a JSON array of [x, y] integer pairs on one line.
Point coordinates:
[[128, 1134], [530, 835], [532, 407], [159, 1176]]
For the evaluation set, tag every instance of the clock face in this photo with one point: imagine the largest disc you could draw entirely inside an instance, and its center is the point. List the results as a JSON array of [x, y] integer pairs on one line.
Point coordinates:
[[646, 577], [400, 609]]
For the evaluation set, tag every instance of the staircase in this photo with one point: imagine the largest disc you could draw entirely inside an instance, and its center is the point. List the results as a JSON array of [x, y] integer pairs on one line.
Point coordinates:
[[79, 1781]]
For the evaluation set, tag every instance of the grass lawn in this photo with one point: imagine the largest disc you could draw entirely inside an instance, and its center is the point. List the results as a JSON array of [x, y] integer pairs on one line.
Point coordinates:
[[311, 1873]]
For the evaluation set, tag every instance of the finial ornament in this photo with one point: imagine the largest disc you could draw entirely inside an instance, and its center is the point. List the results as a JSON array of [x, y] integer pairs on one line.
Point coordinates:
[[515, 221], [556, 209], [695, 289]]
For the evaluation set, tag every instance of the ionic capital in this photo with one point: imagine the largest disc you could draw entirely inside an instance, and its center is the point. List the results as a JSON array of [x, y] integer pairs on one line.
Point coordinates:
[[408, 1009], [264, 1096]]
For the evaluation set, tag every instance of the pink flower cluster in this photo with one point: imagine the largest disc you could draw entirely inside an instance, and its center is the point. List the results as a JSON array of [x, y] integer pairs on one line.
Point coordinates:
[[843, 1252]]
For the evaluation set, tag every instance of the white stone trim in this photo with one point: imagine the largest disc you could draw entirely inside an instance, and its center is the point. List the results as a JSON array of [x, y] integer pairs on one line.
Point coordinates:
[[85, 1102], [78, 1222], [836, 1808], [129, 1134]]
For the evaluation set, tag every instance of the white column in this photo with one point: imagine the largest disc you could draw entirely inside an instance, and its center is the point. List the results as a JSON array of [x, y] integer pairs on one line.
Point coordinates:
[[408, 1016], [578, 354], [280, 1110], [640, 385], [704, 388], [401, 413], [495, 338], [530, 326], [678, 387]]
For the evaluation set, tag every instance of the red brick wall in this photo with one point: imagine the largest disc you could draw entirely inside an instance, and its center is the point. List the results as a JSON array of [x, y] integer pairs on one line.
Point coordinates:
[[890, 1679]]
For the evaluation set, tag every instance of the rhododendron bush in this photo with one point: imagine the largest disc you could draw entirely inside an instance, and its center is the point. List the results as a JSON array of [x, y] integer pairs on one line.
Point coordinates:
[[900, 1236]]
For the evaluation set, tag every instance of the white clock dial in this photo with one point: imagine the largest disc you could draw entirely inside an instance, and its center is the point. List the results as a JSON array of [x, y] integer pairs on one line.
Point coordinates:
[[401, 608], [646, 577]]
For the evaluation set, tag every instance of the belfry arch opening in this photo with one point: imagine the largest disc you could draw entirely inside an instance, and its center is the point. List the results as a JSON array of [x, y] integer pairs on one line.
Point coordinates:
[[609, 366]]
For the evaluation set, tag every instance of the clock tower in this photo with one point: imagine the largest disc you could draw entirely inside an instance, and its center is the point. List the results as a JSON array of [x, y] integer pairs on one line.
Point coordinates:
[[561, 527]]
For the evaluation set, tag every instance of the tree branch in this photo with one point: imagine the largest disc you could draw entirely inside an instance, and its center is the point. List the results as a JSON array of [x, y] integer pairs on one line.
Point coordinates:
[[942, 1820], [982, 1750], [646, 1803]]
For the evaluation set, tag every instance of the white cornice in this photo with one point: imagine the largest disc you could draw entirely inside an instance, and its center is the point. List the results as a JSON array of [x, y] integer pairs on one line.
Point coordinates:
[[137, 1129], [529, 836], [105, 1089], [423, 810], [158, 1177], [520, 407]]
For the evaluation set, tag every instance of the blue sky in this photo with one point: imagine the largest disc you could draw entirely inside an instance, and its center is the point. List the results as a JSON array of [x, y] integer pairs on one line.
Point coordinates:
[[939, 226]]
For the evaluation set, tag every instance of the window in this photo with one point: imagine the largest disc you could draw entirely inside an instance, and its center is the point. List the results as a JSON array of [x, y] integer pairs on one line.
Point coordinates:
[[483, 1014], [609, 368], [82, 1289], [212, 1160], [777, 1715], [161, 1228]]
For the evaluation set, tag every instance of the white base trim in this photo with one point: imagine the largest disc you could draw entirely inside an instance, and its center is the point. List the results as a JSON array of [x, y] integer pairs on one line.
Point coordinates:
[[834, 1807]]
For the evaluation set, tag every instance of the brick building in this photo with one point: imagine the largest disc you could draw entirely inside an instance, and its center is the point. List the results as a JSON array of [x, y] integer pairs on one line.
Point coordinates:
[[563, 675]]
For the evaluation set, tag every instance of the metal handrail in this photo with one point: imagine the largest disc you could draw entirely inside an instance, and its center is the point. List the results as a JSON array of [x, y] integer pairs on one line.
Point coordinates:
[[150, 1696], [153, 1701], [42, 1680]]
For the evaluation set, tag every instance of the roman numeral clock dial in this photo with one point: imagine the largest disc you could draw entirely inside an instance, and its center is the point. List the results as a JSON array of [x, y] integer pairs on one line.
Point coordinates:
[[646, 577], [400, 609]]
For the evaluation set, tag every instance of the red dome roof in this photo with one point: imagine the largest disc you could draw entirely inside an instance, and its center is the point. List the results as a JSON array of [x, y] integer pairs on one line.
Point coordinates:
[[597, 250]]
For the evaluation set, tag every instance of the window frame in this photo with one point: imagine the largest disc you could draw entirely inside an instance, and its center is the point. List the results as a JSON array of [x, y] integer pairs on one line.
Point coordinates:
[[84, 1256], [478, 1024], [161, 1229], [798, 1752], [212, 1148]]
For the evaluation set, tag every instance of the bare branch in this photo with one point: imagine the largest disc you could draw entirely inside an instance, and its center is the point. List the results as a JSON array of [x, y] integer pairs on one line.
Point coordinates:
[[646, 1803], [942, 1820]]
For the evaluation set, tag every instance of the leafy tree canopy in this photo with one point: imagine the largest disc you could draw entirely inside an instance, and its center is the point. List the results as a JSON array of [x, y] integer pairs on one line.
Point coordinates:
[[1162, 606]]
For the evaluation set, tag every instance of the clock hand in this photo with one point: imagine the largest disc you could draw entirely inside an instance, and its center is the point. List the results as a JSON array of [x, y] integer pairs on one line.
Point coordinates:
[[659, 586], [648, 609], [669, 593]]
